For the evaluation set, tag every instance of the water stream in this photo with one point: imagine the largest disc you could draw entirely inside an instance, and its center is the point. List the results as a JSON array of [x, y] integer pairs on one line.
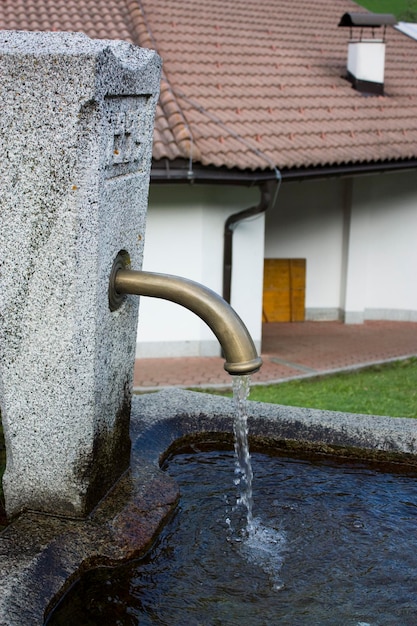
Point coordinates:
[[243, 470], [261, 545]]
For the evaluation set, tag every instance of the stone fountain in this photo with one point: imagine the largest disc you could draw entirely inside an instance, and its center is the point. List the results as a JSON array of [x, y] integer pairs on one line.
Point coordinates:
[[77, 125], [76, 135]]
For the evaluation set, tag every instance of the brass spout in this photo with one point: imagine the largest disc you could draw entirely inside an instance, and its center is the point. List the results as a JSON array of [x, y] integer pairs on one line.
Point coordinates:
[[238, 347]]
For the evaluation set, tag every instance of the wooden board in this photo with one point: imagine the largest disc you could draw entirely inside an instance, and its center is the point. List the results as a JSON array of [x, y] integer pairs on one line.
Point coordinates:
[[284, 290]]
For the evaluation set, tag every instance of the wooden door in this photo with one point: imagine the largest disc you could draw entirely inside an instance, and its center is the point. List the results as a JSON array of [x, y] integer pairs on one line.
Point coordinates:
[[284, 290]]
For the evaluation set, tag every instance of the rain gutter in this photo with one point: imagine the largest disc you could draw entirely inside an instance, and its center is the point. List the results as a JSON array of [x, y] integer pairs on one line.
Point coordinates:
[[165, 172], [268, 181], [168, 174], [349, 169]]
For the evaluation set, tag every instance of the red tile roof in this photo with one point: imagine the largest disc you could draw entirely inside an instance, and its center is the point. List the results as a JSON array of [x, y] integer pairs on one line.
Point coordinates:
[[252, 85]]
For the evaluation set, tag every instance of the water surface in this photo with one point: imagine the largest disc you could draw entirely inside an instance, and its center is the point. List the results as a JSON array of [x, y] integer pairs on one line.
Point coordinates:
[[332, 545]]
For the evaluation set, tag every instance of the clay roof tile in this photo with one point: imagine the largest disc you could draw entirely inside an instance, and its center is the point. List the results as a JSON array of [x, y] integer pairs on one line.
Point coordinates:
[[248, 85]]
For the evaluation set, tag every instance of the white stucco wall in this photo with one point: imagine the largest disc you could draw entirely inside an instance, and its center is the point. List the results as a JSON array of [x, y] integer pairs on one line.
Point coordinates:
[[383, 248], [307, 223], [184, 236], [359, 238], [247, 276]]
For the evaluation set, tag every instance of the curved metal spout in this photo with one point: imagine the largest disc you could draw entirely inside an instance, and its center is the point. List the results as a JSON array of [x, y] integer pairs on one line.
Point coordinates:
[[238, 347]]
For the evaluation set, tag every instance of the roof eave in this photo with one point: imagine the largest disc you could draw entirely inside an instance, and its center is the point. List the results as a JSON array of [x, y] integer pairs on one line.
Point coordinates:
[[179, 172], [348, 169]]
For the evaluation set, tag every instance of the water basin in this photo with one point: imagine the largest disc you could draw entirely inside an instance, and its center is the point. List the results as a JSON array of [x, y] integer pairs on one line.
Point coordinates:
[[43, 556], [333, 543]]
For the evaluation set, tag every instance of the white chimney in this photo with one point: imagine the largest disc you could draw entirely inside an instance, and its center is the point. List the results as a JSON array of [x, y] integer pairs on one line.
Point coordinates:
[[366, 54]]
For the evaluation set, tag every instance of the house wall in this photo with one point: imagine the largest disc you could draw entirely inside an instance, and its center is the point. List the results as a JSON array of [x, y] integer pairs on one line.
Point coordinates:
[[307, 222], [359, 238], [382, 267], [184, 236]]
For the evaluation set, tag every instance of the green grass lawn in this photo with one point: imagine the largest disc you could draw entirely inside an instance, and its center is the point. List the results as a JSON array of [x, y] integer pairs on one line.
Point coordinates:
[[400, 8], [388, 389]]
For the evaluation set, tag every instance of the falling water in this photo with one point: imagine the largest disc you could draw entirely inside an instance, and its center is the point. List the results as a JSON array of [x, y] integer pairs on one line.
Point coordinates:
[[261, 545], [243, 471]]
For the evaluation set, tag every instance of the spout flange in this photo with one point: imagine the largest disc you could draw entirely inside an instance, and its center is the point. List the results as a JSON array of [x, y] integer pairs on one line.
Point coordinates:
[[241, 369], [116, 299]]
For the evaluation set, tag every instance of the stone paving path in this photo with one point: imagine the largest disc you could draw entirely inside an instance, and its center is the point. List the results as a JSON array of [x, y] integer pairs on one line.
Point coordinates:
[[290, 351]]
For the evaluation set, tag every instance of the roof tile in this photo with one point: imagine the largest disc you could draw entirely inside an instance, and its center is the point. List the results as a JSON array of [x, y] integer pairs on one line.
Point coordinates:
[[250, 85]]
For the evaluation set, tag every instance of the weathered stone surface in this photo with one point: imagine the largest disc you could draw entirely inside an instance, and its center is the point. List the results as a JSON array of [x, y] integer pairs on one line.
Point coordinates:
[[42, 555], [169, 415], [76, 129]]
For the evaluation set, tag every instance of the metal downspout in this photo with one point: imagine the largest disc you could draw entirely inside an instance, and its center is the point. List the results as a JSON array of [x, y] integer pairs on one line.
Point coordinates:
[[267, 200]]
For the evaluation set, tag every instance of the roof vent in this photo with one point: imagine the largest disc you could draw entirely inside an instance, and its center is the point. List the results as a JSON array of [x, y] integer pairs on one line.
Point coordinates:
[[366, 53]]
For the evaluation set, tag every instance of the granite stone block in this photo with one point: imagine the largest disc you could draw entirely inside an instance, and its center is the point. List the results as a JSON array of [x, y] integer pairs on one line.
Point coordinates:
[[76, 129]]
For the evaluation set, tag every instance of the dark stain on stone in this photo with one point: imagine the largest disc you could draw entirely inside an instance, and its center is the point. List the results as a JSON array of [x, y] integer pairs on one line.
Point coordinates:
[[123, 526], [109, 458]]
